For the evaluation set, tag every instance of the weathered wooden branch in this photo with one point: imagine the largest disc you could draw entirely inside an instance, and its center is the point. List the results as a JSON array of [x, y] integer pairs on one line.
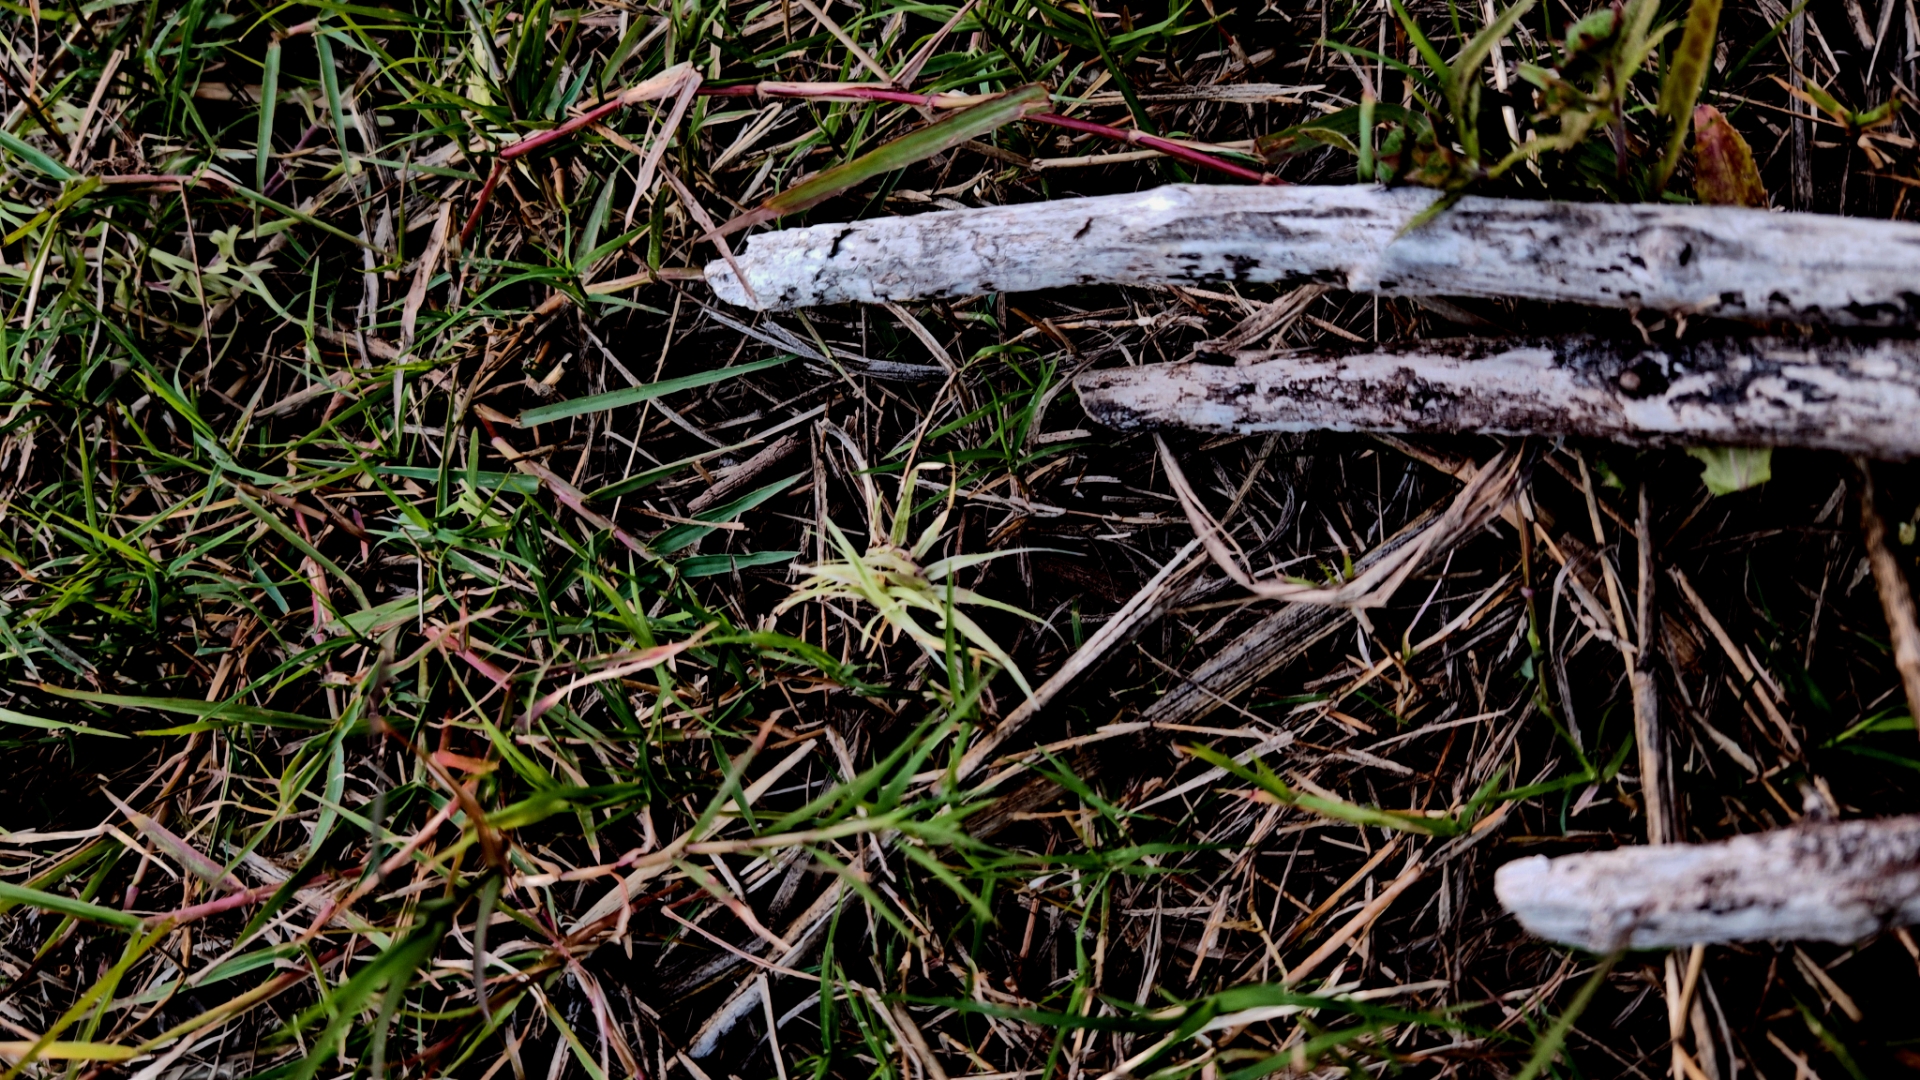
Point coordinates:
[[1721, 261], [1862, 397], [1824, 881]]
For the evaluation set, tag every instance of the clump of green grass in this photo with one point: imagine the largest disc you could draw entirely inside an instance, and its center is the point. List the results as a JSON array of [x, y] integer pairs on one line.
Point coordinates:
[[894, 579]]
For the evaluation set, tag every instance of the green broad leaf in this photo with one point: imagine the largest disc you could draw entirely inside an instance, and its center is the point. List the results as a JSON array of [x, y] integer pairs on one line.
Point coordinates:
[[1733, 468], [63, 905], [633, 395], [963, 125], [8, 716], [226, 712], [713, 565], [680, 536], [26, 152], [1592, 31], [1686, 74]]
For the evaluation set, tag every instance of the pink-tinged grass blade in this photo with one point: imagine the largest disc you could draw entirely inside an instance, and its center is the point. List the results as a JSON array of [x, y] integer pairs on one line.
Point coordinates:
[[1165, 146]]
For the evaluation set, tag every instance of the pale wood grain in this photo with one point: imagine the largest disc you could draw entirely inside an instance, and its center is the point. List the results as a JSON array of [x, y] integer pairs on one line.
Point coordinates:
[[1722, 261], [1822, 881], [1861, 397]]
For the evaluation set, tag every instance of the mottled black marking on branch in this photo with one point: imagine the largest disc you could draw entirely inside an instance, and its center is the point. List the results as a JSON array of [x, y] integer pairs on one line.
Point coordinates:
[[1840, 394]]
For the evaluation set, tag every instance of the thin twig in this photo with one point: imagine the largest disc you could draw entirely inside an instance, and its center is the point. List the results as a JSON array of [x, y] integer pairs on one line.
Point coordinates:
[[1896, 596]]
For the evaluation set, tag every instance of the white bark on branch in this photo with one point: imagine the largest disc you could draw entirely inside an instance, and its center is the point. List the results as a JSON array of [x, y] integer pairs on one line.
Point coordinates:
[[1823, 881], [1860, 397], [1723, 261]]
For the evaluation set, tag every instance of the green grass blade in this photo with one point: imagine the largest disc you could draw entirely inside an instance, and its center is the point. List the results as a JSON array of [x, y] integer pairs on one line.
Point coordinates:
[[681, 535], [269, 96], [330, 83], [713, 565], [633, 395], [649, 477], [230, 711], [62, 1050], [1431, 55], [1555, 1037], [64, 905], [941, 135], [1464, 66], [33, 156], [286, 532], [8, 716], [1686, 74]]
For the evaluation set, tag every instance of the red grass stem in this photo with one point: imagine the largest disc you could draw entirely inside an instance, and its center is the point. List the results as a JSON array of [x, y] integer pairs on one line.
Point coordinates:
[[868, 92], [1165, 146], [856, 92], [280, 170], [554, 134], [196, 912], [480, 204]]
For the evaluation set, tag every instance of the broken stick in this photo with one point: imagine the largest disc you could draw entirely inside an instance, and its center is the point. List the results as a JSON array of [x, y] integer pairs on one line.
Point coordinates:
[[1707, 260], [1862, 397], [1824, 881]]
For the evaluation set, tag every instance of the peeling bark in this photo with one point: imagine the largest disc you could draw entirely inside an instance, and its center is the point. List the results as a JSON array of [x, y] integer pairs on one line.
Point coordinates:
[[1822, 881], [1860, 397], [1708, 260]]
